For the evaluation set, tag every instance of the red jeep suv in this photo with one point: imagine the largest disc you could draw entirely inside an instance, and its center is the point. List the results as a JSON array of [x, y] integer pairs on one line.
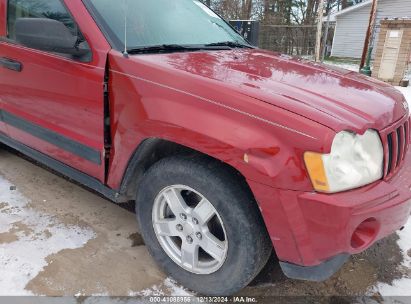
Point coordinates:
[[229, 151]]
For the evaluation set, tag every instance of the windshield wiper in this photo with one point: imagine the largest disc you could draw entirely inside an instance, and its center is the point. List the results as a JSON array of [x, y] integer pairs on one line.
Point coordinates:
[[184, 48], [161, 48], [230, 44]]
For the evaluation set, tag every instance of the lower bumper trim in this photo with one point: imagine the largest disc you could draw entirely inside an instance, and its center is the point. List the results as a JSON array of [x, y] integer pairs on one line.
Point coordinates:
[[316, 273]]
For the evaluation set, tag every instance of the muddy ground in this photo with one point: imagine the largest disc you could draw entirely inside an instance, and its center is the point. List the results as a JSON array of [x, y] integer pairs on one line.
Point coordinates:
[[115, 261]]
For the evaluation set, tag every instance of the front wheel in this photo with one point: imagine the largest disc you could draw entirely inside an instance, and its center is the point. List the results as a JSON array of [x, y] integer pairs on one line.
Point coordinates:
[[201, 224]]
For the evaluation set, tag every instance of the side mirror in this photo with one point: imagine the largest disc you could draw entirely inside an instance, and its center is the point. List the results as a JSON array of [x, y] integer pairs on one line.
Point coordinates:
[[48, 35]]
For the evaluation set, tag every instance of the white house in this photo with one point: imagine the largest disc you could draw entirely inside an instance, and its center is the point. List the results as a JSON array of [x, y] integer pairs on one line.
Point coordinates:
[[352, 24]]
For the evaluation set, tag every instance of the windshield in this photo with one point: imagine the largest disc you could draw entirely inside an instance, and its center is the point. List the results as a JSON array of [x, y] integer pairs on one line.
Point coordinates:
[[161, 22]]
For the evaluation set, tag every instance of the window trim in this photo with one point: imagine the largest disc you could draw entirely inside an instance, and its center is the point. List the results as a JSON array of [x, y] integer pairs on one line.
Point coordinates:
[[13, 41], [111, 38]]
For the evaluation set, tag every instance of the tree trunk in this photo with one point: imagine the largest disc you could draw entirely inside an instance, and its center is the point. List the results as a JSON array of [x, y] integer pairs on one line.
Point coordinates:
[[344, 4], [247, 7]]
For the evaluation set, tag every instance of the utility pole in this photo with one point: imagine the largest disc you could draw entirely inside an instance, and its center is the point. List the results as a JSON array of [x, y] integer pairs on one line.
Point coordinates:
[[327, 26], [366, 50], [319, 31]]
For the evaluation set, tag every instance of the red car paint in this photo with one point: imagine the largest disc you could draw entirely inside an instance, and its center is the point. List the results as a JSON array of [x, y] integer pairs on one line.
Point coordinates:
[[224, 104]]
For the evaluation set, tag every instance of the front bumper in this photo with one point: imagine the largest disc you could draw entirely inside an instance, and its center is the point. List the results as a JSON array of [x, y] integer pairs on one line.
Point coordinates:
[[312, 231]]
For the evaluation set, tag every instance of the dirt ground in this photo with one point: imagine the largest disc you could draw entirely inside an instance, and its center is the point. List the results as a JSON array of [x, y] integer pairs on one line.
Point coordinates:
[[115, 261]]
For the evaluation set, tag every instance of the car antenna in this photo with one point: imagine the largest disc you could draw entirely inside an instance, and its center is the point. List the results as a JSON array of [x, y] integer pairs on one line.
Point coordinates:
[[125, 53]]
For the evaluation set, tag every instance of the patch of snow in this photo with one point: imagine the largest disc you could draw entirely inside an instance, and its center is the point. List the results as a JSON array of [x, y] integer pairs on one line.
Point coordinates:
[[175, 289], [406, 92], [401, 287], [36, 236], [168, 288], [344, 65], [149, 292]]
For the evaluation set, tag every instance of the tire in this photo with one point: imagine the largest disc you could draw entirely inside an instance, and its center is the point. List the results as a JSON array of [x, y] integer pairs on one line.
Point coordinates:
[[236, 224]]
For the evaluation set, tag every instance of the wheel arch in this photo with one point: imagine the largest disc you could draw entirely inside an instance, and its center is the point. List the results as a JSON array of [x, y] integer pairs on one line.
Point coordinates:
[[152, 150]]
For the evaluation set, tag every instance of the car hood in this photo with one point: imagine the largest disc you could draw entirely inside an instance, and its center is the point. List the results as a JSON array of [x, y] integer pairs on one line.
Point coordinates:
[[337, 98]]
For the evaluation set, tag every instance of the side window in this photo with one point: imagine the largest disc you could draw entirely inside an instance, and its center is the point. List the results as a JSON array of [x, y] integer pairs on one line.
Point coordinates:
[[46, 25], [50, 9]]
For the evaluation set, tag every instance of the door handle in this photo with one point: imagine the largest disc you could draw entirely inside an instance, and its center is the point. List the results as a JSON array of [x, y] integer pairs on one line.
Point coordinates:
[[11, 64]]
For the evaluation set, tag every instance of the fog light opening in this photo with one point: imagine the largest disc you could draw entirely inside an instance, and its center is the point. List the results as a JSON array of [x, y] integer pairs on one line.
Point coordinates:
[[365, 233]]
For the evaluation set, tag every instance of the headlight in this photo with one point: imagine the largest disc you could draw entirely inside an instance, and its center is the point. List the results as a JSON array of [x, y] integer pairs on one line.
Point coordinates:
[[354, 161]]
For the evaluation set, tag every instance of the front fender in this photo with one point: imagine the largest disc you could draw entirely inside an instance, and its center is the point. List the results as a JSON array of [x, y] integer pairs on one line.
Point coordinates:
[[249, 135]]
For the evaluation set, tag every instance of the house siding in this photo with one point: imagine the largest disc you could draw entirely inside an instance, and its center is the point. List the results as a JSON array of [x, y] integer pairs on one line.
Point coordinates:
[[351, 27]]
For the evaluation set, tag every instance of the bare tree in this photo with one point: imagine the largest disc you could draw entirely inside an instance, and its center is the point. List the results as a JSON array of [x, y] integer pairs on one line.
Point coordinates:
[[246, 8], [344, 4]]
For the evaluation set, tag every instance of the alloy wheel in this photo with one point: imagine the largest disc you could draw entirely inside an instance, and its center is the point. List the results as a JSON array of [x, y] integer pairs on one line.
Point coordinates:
[[189, 229]]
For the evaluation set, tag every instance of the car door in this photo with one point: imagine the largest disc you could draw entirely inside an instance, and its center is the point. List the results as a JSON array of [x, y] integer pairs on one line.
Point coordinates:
[[54, 102], [3, 32]]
